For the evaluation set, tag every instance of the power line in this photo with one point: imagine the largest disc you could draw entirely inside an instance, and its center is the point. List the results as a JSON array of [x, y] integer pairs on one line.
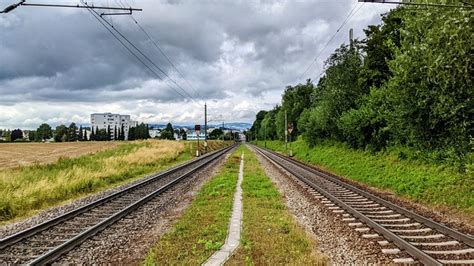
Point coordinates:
[[342, 25], [348, 17], [157, 46], [148, 59], [143, 55], [102, 20]]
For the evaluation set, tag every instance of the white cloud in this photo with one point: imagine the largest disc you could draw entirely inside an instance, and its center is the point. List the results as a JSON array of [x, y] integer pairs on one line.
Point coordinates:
[[58, 66]]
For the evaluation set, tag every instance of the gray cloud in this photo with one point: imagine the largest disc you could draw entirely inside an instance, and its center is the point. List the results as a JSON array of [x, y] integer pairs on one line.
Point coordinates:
[[235, 53]]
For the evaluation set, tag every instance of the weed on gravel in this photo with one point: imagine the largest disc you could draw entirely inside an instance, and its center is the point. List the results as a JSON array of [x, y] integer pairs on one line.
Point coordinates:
[[270, 235], [203, 227], [436, 185]]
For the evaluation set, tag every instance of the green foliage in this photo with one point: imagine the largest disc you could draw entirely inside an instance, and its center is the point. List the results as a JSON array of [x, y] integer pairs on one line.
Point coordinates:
[[436, 185], [60, 133], [44, 132], [216, 133], [168, 132], [141, 132], [203, 227], [408, 83], [16, 134]]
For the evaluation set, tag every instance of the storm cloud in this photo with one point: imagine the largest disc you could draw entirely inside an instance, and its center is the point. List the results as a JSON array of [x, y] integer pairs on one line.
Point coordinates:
[[60, 65]]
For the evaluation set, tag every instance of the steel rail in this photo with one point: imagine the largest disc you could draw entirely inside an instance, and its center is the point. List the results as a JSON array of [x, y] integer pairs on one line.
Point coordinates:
[[55, 253], [12, 239], [409, 248], [467, 239]]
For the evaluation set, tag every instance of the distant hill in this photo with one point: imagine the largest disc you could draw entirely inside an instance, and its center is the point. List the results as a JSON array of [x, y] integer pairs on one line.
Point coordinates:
[[234, 126]]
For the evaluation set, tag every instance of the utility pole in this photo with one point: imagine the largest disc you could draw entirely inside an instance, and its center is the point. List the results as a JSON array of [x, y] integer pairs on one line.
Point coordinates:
[[286, 131], [265, 135], [351, 39], [205, 127]]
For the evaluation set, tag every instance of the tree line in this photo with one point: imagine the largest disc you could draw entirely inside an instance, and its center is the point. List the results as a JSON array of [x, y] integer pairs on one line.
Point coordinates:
[[407, 83], [72, 133]]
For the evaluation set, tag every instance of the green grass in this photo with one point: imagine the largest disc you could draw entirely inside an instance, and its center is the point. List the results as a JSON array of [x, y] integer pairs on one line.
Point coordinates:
[[270, 235], [203, 227], [436, 185], [27, 190]]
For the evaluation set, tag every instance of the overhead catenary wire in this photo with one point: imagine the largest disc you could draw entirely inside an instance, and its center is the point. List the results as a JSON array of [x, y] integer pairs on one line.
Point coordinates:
[[123, 40], [157, 46], [346, 20], [342, 25]]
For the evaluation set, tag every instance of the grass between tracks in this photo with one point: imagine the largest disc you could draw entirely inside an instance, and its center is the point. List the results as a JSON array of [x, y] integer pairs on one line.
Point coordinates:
[[270, 235], [203, 227], [435, 185], [26, 190]]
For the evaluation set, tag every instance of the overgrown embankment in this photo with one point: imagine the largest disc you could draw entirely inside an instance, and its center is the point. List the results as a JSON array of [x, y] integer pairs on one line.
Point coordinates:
[[26, 190], [431, 184]]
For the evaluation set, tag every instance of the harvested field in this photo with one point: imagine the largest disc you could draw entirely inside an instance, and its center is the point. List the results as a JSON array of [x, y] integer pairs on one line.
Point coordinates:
[[14, 155], [28, 189]]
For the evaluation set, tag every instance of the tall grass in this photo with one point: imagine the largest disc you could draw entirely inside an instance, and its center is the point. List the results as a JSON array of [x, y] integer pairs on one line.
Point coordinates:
[[438, 185], [270, 235], [28, 189]]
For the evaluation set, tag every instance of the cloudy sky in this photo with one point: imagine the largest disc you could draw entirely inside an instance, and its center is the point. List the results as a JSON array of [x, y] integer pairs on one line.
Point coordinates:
[[61, 65]]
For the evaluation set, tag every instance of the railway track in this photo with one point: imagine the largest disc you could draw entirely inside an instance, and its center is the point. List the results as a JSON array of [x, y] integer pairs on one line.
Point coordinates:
[[410, 237], [46, 242]]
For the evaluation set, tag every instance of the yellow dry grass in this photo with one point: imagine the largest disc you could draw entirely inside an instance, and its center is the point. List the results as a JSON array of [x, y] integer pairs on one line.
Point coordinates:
[[14, 155], [28, 189]]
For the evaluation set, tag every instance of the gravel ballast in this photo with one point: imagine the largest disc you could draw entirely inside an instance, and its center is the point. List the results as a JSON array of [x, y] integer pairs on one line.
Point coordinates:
[[339, 242], [128, 241]]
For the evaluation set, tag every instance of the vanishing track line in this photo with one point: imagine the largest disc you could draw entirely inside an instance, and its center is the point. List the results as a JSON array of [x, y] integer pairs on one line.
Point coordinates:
[[399, 231], [46, 242]]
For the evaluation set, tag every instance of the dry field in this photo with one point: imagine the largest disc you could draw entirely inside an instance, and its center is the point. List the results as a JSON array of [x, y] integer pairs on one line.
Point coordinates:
[[21, 154]]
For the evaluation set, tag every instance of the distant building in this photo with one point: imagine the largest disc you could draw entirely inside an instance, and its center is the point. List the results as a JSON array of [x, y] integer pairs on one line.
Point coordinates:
[[191, 135], [154, 132], [104, 120]]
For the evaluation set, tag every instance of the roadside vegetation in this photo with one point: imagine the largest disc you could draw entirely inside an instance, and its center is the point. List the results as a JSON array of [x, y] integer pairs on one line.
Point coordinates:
[[270, 235], [26, 190], [203, 227], [393, 110], [438, 185]]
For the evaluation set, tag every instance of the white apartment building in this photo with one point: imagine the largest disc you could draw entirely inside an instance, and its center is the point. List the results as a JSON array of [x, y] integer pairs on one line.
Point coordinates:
[[104, 120]]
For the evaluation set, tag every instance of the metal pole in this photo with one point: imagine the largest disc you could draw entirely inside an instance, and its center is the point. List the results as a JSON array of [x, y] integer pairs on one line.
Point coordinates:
[[205, 127], [265, 135], [286, 131], [84, 6], [197, 150]]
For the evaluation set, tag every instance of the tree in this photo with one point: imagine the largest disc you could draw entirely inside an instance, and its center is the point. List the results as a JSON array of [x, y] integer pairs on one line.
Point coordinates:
[[168, 132], [84, 135], [295, 100], [109, 133], [115, 133], [16, 134], [81, 135], [336, 93], [92, 136], [183, 134], [131, 133], [217, 133], [60, 133], [44, 132], [122, 133], [32, 135], [72, 133]]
